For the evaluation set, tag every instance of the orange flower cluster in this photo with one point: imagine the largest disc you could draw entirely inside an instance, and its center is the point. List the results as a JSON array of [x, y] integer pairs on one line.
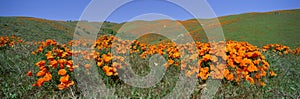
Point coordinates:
[[103, 46], [239, 61], [246, 61], [281, 49], [9, 41], [55, 57], [44, 73], [295, 51]]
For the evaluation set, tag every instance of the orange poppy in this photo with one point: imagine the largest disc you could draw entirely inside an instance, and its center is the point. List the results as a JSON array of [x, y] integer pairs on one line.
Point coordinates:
[[206, 57], [61, 86], [231, 63], [248, 78], [205, 69], [252, 68], [40, 63], [39, 82], [29, 73], [64, 79], [106, 58], [203, 75], [229, 77], [171, 61], [176, 55], [238, 59], [272, 73], [105, 68], [47, 77], [62, 72], [41, 73], [109, 73], [53, 63], [226, 72], [62, 62], [69, 63]]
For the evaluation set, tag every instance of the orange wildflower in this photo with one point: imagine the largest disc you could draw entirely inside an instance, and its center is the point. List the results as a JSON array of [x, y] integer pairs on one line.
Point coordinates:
[[53, 63], [229, 77], [252, 68], [248, 78], [238, 59], [105, 68], [226, 72], [62, 62], [205, 69], [176, 55], [39, 82], [171, 61], [106, 58], [29, 73], [272, 73], [47, 77], [109, 73], [206, 57], [99, 63], [203, 75], [64, 79], [231, 63], [69, 63], [40, 63], [40, 73], [62, 72]]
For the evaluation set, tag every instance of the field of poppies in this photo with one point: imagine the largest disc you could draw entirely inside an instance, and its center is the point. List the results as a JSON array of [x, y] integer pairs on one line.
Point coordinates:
[[48, 68]]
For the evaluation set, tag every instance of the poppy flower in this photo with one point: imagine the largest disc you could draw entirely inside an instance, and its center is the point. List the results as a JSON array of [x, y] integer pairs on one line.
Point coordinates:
[[176, 55], [64, 79], [229, 77], [231, 63], [47, 77], [206, 57], [62, 72], [252, 68], [29, 73], [106, 58], [105, 68], [53, 63], [251, 80], [39, 82], [41, 73], [40, 63], [171, 61], [272, 73], [238, 59]]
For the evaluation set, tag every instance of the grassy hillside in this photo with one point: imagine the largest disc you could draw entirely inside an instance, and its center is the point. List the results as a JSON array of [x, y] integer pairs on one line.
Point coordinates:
[[280, 27], [35, 29]]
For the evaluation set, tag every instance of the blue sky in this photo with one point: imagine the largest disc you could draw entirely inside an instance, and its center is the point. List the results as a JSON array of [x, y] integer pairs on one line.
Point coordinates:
[[72, 9]]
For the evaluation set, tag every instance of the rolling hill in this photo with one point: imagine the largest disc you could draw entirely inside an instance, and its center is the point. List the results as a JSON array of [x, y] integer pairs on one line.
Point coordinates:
[[257, 28]]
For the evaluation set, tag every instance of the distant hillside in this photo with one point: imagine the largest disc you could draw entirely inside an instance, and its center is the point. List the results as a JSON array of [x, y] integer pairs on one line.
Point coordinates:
[[35, 29], [257, 28]]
